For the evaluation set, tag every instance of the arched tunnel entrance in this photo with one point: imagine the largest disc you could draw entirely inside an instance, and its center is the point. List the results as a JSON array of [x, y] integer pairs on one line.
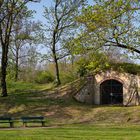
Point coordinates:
[[111, 92]]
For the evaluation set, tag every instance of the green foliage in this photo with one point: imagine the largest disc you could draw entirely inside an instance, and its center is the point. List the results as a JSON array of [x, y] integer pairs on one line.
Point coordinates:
[[94, 62], [24, 36], [104, 13], [43, 77], [67, 77], [111, 24], [10, 71], [126, 67]]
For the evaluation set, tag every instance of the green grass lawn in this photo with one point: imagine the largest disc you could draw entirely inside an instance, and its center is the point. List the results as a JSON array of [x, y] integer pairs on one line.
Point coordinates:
[[74, 132]]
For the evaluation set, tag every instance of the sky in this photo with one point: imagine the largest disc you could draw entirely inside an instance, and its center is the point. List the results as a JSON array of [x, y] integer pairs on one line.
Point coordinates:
[[38, 7]]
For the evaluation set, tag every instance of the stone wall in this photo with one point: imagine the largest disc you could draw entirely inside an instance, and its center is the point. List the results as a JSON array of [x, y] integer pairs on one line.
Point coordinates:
[[90, 93], [86, 93]]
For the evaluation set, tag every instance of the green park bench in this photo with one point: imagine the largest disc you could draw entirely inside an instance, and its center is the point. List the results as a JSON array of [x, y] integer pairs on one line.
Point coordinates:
[[26, 120], [7, 120]]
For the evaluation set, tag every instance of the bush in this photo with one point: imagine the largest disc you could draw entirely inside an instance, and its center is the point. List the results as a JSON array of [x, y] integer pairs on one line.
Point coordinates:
[[127, 67], [43, 77], [67, 77]]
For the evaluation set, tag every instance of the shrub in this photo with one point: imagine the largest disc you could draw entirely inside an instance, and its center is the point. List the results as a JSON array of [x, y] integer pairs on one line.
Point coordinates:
[[127, 67], [43, 77], [67, 77]]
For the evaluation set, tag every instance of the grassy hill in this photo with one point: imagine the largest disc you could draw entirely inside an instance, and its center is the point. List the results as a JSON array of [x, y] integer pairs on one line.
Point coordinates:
[[59, 108]]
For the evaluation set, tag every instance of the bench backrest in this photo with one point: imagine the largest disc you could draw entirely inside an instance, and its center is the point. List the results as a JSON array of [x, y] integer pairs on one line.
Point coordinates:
[[5, 118], [33, 118]]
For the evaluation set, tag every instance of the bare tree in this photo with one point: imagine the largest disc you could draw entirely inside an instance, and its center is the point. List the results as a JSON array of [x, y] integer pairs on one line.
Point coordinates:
[[25, 33], [60, 25], [9, 13]]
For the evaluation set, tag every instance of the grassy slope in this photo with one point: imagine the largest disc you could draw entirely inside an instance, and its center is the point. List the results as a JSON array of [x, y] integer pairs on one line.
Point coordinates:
[[35, 100]]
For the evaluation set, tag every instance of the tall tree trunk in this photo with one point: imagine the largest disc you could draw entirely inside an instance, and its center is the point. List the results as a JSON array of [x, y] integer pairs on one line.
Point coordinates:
[[16, 71], [16, 66], [72, 61], [58, 82], [3, 70]]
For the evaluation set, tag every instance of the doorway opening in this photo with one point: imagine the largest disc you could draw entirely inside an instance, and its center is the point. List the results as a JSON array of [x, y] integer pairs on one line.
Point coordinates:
[[111, 92]]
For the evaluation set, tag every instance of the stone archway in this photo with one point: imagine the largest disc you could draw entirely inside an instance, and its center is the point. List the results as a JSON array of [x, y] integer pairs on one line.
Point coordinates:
[[111, 92], [91, 91]]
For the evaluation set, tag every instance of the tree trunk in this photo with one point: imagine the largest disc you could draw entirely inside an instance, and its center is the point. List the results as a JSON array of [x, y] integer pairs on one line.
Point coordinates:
[[16, 66], [16, 71], [58, 82], [72, 60], [3, 70]]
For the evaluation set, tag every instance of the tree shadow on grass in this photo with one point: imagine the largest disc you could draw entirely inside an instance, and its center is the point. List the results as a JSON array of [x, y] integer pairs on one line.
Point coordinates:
[[53, 104], [33, 103]]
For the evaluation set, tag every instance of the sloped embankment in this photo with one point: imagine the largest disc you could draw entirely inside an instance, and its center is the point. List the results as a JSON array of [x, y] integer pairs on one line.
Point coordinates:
[[59, 108]]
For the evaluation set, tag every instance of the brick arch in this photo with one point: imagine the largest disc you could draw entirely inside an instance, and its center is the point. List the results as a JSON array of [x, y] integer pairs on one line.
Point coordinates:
[[112, 78]]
